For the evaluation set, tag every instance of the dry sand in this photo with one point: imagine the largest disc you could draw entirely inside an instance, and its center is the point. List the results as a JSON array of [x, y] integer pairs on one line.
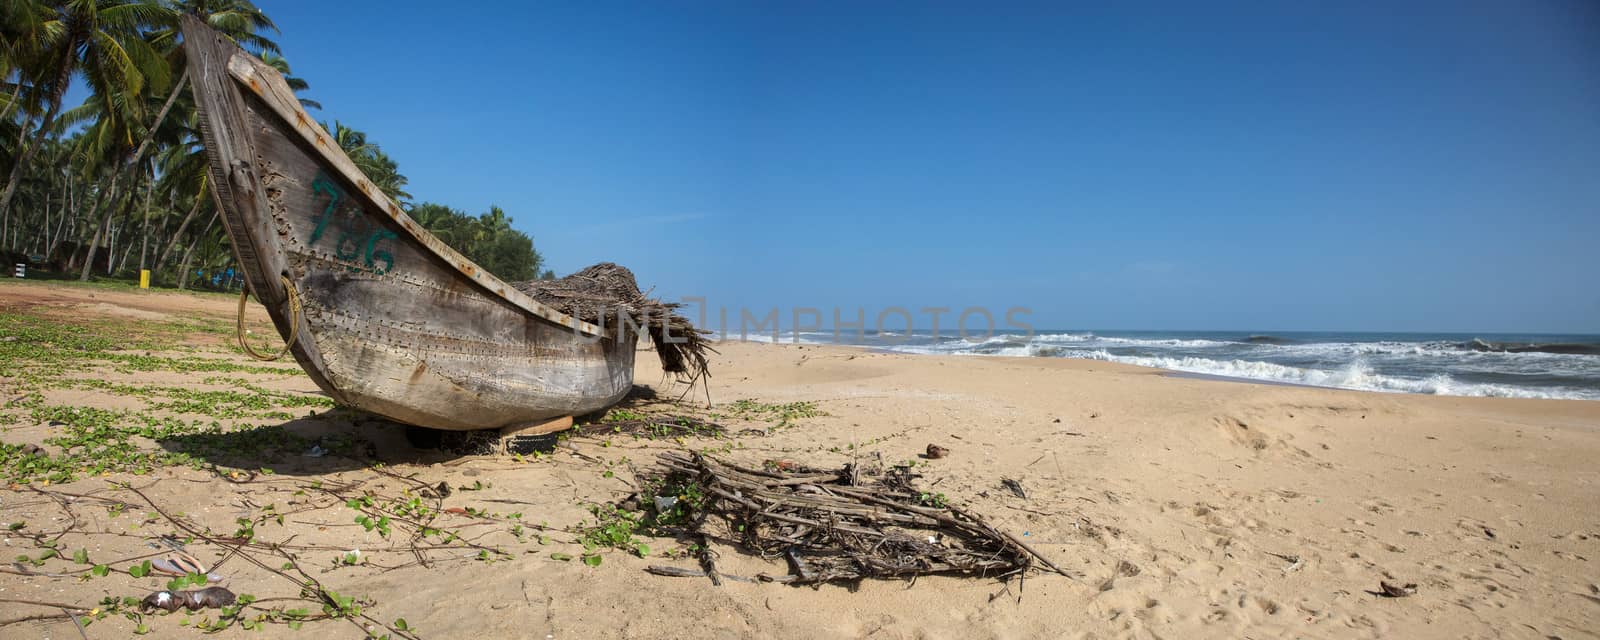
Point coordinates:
[[1185, 508]]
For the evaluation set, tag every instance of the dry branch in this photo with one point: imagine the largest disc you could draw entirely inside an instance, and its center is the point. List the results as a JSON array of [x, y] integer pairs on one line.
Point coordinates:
[[845, 525]]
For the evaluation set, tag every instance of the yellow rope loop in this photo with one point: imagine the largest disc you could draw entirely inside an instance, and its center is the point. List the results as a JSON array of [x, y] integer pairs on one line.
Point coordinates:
[[294, 322]]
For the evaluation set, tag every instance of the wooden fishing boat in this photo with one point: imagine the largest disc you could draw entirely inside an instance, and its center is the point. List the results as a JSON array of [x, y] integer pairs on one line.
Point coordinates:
[[384, 316]]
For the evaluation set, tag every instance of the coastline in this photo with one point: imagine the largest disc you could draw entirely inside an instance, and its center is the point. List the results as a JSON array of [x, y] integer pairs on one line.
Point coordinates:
[[1182, 507], [1408, 363]]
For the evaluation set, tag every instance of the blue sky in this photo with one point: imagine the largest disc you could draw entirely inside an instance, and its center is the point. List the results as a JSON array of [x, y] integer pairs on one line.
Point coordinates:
[[1429, 166]]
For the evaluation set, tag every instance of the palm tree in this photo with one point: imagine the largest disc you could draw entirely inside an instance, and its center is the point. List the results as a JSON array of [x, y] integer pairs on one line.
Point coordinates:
[[185, 177], [103, 40], [118, 120], [241, 22], [442, 221], [21, 34]]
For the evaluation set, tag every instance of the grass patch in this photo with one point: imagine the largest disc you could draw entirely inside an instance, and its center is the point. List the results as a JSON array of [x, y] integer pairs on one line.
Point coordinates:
[[88, 441], [652, 426], [777, 415]]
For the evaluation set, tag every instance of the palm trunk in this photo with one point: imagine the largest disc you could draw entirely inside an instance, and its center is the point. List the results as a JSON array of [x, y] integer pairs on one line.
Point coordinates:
[[120, 232], [43, 238], [16, 99], [123, 261], [25, 154], [68, 198], [144, 232], [104, 225], [188, 253], [149, 135], [44, 230], [22, 140], [167, 252]]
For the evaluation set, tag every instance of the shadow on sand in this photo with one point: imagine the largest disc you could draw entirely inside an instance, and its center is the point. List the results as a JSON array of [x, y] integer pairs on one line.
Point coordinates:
[[337, 440], [343, 439]]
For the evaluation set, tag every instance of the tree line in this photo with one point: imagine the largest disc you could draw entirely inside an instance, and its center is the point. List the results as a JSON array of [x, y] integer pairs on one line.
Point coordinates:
[[120, 182]]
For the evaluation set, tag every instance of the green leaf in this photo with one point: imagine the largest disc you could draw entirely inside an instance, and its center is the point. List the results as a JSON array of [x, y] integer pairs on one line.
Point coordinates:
[[81, 556], [400, 623], [557, 555], [140, 570], [100, 570], [592, 559]]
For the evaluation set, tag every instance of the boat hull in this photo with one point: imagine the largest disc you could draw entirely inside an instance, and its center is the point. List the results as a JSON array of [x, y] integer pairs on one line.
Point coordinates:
[[380, 317]]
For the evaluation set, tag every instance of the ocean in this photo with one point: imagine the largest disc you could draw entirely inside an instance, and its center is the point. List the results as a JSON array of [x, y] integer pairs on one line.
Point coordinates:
[[1493, 365]]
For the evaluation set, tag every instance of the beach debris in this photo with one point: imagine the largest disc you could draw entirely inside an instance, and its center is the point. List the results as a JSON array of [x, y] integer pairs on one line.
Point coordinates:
[[684, 572], [438, 491], [837, 525], [1014, 487], [179, 564], [1389, 590], [207, 598], [935, 452], [1294, 560]]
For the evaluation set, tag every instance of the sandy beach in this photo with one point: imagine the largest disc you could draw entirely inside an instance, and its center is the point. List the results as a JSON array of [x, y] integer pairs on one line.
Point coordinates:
[[1182, 507]]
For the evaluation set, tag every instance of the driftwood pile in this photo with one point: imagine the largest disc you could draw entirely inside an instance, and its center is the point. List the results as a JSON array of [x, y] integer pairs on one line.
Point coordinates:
[[606, 294], [844, 524]]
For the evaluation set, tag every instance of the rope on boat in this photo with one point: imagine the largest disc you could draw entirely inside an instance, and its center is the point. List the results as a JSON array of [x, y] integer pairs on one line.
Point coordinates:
[[294, 322]]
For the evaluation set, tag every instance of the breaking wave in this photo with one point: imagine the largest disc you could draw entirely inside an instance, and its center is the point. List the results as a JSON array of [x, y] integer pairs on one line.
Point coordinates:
[[1358, 375], [1566, 367]]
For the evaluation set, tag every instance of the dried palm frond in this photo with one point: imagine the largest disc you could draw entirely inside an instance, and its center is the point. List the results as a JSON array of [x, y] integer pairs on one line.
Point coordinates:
[[606, 294]]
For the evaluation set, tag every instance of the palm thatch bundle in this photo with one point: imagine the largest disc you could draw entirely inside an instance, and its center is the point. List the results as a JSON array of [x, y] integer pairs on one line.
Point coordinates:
[[843, 524], [606, 294]]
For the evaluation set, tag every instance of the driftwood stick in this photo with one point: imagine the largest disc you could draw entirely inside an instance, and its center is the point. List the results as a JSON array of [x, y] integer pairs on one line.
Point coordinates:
[[681, 572], [797, 565], [1031, 551], [793, 519], [826, 477], [33, 618], [1015, 540], [78, 623], [51, 605]]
